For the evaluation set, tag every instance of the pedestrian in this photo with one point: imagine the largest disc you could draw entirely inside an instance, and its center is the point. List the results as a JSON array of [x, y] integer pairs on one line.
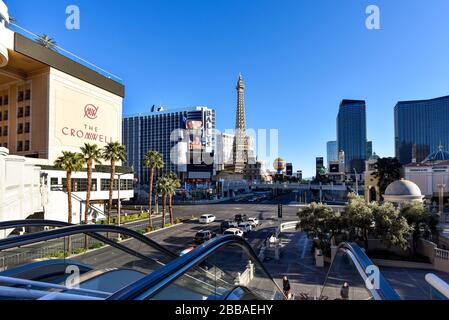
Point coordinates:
[[344, 292], [286, 287]]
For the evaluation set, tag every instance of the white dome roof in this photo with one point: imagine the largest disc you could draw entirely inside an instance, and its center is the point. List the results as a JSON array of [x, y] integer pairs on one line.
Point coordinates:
[[403, 188]]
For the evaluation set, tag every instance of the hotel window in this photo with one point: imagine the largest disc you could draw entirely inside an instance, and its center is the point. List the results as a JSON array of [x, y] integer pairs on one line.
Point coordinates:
[[5, 145], [20, 128], [5, 131], [28, 94], [5, 115], [27, 127], [20, 113], [27, 145], [79, 185], [5, 100], [19, 146], [1, 100], [1, 118], [27, 111], [20, 97]]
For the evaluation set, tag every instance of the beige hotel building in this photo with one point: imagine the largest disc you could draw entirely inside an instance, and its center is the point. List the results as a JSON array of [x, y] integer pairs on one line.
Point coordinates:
[[50, 103]]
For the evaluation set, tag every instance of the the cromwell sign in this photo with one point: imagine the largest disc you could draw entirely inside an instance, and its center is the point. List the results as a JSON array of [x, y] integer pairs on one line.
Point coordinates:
[[88, 131], [85, 119], [90, 111]]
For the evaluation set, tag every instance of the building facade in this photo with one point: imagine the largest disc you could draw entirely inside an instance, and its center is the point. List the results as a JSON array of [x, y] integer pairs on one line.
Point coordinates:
[[183, 137], [332, 151], [50, 103], [351, 134], [431, 174], [420, 127]]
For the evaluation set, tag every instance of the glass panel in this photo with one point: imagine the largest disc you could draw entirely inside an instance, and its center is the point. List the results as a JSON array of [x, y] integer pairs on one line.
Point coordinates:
[[81, 261], [344, 281], [220, 276]]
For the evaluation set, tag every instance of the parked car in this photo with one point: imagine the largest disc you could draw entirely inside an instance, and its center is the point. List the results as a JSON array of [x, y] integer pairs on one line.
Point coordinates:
[[207, 218], [234, 232], [245, 227], [254, 222], [203, 236], [228, 224], [241, 218]]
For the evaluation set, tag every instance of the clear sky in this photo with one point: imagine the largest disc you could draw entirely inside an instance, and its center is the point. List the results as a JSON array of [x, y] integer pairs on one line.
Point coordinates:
[[299, 58]]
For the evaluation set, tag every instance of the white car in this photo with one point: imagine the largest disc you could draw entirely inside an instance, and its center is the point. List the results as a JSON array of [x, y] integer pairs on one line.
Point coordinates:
[[207, 218], [245, 227], [254, 222], [234, 232]]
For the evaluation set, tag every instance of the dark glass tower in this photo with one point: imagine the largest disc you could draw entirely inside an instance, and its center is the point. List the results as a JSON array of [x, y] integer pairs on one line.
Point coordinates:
[[351, 134], [420, 128]]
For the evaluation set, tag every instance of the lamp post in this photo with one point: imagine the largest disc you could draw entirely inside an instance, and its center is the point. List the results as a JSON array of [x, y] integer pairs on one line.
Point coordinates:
[[441, 202], [119, 203], [356, 182]]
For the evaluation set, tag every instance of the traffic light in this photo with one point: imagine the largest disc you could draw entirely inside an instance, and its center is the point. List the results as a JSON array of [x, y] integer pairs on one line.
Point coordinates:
[[280, 211]]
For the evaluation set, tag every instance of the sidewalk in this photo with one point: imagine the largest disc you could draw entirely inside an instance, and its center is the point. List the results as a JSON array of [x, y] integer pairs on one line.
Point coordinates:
[[298, 264]]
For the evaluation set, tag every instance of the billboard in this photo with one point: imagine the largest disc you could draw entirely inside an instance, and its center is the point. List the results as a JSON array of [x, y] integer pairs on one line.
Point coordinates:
[[199, 129], [319, 165]]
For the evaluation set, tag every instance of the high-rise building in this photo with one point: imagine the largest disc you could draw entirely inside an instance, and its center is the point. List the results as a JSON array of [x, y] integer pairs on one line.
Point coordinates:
[[183, 137], [332, 152], [351, 134], [319, 166], [369, 149], [289, 169], [420, 128]]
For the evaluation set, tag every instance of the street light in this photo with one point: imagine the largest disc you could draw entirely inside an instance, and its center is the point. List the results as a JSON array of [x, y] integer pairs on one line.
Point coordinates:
[[356, 182], [119, 203]]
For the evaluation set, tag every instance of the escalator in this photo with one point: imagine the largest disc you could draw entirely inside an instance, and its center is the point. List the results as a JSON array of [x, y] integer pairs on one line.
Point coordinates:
[[124, 265]]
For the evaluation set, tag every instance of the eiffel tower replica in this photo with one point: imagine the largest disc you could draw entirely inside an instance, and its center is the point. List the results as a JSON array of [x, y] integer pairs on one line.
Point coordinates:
[[240, 147]]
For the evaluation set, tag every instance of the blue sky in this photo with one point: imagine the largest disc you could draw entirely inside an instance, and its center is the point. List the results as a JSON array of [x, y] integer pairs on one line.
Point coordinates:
[[299, 58]]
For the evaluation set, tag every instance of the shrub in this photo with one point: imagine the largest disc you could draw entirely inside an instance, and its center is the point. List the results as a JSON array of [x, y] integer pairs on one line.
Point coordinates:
[[178, 221]]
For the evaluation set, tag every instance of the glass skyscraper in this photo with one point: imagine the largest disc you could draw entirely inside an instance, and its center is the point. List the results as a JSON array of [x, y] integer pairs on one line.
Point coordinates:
[[332, 152], [351, 134], [420, 128]]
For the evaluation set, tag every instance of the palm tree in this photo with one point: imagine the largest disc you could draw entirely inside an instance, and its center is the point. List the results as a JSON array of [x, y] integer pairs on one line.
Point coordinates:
[[113, 152], [92, 154], [387, 170], [175, 183], [69, 162], [47, 42], [153, 160], [164, 187]]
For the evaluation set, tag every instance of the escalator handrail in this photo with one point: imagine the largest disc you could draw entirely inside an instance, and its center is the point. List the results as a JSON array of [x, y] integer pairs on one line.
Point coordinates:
[[385, 291], [33, 223], [26, 239], [159, 279], [53, 223]]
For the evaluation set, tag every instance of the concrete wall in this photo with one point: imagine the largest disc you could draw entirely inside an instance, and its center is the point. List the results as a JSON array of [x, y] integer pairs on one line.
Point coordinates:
[[20, 193]]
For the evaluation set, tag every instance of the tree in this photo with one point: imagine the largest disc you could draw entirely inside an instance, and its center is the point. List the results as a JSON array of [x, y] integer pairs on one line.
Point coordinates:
[[423, 224], [164, 186], [91, 154], [319, 221], [113, 152], [358, 218], [387, 170], [153, 160], [69, 162], [47, 42], [175, 183], [389, 225]]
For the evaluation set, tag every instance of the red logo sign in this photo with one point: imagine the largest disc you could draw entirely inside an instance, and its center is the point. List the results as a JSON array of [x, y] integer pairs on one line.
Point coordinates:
[[90, 111]]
